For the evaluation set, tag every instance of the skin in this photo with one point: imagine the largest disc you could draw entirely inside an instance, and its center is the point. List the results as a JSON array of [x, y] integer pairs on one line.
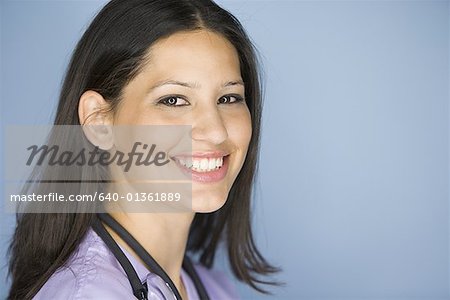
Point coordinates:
[[210, 66]]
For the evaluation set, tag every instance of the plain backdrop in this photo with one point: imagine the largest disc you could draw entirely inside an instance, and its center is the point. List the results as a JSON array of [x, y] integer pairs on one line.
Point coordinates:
[[352, 199]]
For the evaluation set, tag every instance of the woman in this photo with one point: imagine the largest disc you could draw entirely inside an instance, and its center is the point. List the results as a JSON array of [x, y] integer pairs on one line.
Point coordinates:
[[145, 62]]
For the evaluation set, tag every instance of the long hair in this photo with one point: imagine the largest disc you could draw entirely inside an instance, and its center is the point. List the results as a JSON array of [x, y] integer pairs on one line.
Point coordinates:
[[109, 55]]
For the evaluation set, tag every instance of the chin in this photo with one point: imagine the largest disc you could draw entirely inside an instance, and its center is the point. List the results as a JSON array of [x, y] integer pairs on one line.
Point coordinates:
[[204, 202]]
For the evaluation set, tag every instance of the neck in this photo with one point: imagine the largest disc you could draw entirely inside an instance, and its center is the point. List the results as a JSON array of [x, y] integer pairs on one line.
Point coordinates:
[[163, 235]]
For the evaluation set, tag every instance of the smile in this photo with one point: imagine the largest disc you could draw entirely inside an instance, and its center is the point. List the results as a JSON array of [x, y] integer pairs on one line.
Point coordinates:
[[202, 164], [205, 167]]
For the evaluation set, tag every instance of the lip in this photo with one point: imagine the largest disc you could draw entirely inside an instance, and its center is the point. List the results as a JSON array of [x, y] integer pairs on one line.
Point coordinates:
[[202, 154], [205, 177]]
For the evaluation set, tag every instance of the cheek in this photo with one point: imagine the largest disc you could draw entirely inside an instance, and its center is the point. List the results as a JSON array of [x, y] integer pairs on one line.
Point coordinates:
[[240, 130], [126, 113]]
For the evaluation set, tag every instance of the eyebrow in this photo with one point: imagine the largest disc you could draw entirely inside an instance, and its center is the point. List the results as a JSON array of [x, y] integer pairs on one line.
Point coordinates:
[[193, 85], [231, 83]]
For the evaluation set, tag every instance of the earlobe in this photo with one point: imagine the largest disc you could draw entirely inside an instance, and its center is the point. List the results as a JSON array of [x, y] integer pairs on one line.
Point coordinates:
[[96, 123]]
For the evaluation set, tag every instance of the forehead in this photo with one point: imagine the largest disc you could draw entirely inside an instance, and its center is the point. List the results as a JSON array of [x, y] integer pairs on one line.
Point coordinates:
[[194, 55]]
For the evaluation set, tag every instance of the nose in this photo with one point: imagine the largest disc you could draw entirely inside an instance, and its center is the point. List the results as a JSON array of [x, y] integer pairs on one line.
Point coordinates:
[[209, 126]]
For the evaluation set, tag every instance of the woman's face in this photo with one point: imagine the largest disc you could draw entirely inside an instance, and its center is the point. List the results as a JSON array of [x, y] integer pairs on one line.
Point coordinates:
[[193, 78]]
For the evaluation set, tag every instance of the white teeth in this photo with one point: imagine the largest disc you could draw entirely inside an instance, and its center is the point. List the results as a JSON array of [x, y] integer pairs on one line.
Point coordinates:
[[203, 164], [218, 162], [212, 164], [196, 164], [189, 163]]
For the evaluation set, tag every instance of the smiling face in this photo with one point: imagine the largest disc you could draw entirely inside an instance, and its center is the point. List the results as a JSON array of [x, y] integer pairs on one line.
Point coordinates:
[[193, 78]]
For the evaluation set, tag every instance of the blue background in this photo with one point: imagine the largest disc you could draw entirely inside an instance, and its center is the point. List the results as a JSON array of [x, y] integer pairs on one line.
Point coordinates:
[[353, 194]]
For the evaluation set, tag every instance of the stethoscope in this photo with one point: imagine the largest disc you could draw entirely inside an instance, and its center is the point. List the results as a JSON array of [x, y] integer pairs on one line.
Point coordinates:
[[163, 284]]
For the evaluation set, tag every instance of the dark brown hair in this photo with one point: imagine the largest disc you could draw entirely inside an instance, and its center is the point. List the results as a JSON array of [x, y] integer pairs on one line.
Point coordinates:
[[110, 54]]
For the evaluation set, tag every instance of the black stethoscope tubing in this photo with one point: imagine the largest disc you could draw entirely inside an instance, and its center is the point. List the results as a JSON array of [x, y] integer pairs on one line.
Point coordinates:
[[140, 290]]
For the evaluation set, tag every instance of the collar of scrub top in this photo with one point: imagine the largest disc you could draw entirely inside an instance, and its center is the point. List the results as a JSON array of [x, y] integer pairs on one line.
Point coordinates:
[[156, 288], [138, 273], [139, 290]]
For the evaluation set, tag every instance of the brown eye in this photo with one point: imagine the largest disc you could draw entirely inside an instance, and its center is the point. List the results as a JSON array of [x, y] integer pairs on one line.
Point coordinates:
[[171, 101], [227, 99], [174, 101]]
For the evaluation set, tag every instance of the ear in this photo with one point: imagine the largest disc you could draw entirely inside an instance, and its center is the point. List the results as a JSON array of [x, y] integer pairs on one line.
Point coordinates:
[[96, 123]]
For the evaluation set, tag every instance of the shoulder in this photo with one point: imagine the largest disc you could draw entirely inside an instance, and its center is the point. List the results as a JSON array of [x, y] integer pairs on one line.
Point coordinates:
[[91, 273], [217, 283]]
